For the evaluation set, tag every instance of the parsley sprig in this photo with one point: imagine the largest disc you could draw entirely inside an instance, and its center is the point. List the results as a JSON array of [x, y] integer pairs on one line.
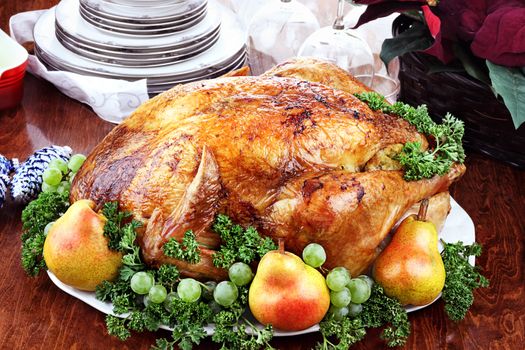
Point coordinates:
[[419, 164], [187, 250], [188, 321], [378, 311], [234, 331], [122, 236], [46, 208], [381, 310], [114, 224], [238, 243], [346, 332], [461, 278]]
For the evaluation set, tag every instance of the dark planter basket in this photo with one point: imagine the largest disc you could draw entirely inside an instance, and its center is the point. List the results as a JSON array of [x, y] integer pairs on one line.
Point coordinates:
[[488, 124]]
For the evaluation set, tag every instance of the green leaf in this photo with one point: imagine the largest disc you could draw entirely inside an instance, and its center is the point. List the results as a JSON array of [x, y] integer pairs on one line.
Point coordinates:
[[416, 38], [510, 84], [471, 65]]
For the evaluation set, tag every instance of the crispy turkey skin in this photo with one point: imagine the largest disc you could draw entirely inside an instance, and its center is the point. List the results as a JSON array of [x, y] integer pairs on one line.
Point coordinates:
[[286, 155]]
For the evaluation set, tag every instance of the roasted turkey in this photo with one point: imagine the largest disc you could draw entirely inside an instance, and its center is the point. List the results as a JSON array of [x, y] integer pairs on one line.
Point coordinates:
[[291, 152]]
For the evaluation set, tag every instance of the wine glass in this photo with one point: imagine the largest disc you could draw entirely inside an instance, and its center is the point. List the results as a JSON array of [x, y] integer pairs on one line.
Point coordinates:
[[322, 9], [277, 31], [342, 46]]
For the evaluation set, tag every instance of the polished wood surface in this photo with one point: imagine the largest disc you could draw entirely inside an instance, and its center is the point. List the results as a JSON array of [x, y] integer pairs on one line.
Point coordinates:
[[34, 314]]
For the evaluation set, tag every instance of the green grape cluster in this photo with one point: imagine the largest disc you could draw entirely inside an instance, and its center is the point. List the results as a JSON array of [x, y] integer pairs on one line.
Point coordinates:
[[227, 292], [189, 290], [346, 293], [59, 174], [144, 283]]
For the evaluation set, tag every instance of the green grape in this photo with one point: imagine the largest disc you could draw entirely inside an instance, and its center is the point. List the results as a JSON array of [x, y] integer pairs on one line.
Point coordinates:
[[48, 227], [76, 162], [341, 299], [314, 255], [64, 187], [226, 293], [145, 300], [338, 312], [141, 282], [157, 294], [367, 279], [208, 289], [343, 270], [354, 309], [52, 176], [48, 188], [71, 177], [240, 273], [359, 289], [169, 298], [58, 164], [337, 279], [189, 290], [215, 307]]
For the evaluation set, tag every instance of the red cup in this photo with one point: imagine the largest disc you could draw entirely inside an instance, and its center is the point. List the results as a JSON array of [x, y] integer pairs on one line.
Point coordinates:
[[11, 93], [13, 72], [12, 79], [13, 63]]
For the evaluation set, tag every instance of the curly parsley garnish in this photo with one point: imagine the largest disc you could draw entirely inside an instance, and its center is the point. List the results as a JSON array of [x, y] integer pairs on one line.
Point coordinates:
[[461, 278], [419, 164], [238, 244], [378, 311], [381, 310], [46, 208], [346, 332], [187, 250], [231, 327], [113, 229], [188, 320]]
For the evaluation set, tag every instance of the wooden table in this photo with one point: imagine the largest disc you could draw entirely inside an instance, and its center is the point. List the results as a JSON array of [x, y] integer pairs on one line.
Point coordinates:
[[34, 314]]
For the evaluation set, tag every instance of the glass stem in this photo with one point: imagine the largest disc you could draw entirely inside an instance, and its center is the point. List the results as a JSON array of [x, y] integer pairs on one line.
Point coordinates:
[[339, 20]]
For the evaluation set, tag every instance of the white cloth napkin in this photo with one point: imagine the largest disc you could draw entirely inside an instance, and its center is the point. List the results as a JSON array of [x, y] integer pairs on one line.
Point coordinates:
[[111, 99]]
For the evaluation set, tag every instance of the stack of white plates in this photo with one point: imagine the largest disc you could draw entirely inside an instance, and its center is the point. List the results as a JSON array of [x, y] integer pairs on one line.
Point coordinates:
[[137, 19], [214, 44]]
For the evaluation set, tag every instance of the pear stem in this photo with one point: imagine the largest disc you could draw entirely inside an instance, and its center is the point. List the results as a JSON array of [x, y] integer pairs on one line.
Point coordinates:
[[281, 246], [422, 214]]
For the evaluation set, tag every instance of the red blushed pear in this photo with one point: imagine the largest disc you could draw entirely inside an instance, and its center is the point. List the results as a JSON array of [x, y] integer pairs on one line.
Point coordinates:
[[287, 293], [76, 250]]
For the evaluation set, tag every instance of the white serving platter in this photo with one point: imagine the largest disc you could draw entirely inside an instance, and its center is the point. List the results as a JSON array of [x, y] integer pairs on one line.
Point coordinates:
[[458, 227]]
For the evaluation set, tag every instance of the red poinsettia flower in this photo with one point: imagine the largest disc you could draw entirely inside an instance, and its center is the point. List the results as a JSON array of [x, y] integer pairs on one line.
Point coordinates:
[[501, 38], [433, 21], [493, 29]]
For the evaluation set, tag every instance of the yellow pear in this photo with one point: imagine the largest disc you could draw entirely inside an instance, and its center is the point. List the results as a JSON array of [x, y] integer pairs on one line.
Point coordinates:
[[76, 250], [287, 293], [410, 268]]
